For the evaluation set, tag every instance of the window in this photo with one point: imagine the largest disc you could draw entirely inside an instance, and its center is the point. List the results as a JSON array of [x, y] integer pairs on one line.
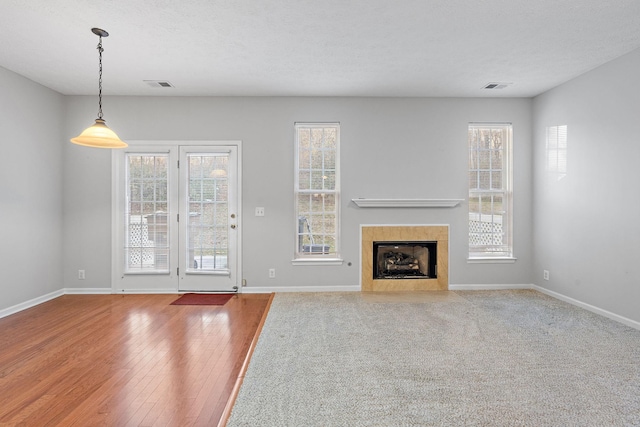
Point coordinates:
[[317, 191], [208, 189], [557, 151], [146, 228], [490, 215]]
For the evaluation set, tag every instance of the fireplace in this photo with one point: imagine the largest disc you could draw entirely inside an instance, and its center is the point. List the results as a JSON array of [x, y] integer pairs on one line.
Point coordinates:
[[404, 258]]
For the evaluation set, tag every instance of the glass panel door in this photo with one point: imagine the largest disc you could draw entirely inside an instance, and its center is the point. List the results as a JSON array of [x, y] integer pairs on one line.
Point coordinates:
[[210, 212], [176, 215], [147, 207], [145, 238]]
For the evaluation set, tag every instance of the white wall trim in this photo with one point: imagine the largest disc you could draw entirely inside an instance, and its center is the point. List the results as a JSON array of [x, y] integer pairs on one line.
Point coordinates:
[[269, 289], [489, 287], [317, 261], [31, 303], [147, 291], [87, 291], [489, 260], [621, 319]]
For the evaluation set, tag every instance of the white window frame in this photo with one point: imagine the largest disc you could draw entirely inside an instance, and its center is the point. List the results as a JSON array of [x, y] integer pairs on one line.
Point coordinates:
[[310, 258], [490, 252]]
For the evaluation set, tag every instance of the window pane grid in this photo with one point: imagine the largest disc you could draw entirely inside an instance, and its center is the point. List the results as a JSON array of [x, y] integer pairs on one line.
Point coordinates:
[[207, 239], [489, 192], [317, 190], [557, 151], [146, 229]]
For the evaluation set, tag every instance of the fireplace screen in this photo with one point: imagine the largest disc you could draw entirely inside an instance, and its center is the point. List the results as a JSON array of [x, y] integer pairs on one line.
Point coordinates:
[[404, 260]]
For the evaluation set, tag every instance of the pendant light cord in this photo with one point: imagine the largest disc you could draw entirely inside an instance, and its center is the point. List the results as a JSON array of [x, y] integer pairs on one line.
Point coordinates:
[[100, 50], [99, 135]]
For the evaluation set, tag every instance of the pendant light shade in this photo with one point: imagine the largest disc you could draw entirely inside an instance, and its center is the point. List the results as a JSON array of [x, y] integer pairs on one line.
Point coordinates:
[[99, 135]]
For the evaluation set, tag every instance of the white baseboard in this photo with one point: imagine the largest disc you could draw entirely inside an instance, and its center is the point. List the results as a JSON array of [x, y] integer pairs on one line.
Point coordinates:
[[146, 291], [268, 290], [87, 291], [489, 287], [621, 319], [31, 303]]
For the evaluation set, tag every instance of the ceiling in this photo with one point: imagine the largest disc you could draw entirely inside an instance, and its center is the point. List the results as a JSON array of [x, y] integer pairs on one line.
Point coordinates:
[[449, 48]]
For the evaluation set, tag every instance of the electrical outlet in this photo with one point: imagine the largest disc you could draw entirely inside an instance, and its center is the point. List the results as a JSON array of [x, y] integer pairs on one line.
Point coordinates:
[[259, 211], [545, 274], [272, 273], [80, 274]]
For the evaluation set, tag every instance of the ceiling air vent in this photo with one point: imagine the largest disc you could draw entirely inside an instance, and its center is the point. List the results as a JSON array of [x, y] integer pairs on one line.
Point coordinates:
[[158, 83], [495, 85]]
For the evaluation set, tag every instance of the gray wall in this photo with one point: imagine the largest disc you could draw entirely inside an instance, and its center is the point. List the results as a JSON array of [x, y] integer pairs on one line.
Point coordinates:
[[31, 118], [56, 197], [390, 147], [586, 226]]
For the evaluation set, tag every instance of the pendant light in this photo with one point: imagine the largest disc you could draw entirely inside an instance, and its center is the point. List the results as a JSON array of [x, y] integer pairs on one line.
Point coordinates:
[[99, 135]]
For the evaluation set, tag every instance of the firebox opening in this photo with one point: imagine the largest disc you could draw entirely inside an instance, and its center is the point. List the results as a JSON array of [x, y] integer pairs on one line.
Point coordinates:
[[404, 260]]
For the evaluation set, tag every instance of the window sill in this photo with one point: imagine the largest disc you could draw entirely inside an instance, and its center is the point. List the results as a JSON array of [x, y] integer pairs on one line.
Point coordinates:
[[492, 260], [318, 261]]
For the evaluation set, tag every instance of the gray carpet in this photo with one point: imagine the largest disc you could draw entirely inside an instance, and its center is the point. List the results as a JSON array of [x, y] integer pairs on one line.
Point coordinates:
[[466, 358]]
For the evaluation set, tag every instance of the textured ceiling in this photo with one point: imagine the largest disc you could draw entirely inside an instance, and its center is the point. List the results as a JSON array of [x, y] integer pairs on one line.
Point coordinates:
[[310, 47]]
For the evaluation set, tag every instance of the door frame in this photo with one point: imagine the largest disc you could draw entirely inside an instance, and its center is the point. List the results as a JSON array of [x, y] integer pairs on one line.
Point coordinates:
[[117, 211]]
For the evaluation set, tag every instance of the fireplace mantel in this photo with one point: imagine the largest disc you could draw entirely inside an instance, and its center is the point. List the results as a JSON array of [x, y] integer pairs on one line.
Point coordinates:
[[406, 203]]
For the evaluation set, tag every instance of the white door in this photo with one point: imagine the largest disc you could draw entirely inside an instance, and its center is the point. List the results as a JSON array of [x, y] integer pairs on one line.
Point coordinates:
[[208, 218], [176, 224]]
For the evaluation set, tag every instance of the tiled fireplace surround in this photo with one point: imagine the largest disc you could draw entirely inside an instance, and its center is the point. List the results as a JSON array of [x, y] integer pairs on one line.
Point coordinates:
[[395, 233]]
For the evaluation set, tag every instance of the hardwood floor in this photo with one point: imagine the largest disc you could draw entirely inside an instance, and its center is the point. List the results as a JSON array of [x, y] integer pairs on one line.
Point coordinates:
[[124, 360]]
